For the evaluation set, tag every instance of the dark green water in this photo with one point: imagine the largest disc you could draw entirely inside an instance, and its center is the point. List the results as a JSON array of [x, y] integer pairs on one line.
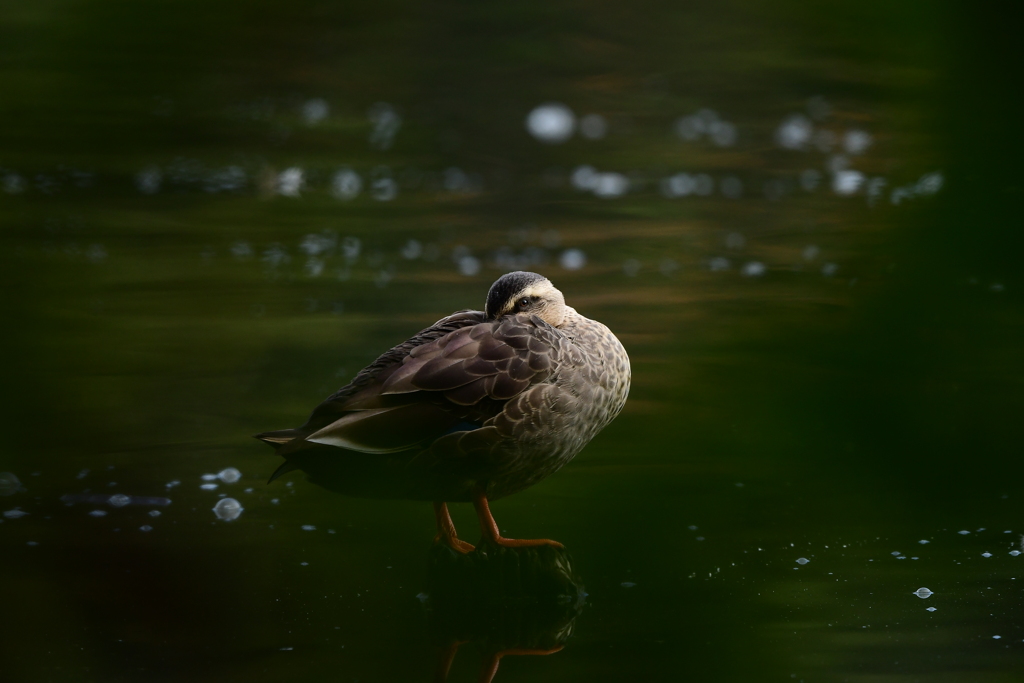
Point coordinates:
[[214, 214]]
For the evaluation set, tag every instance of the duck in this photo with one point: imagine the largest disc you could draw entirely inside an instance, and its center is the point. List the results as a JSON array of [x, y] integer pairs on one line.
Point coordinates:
[[476, 407]]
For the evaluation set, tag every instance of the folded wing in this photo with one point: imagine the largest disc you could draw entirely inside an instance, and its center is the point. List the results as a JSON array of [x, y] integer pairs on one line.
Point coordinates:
[[448, 379]]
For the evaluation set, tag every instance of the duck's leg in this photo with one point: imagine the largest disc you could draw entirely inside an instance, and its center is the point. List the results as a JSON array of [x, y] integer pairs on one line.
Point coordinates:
[[489, 528], [446, 530], [444, 664]]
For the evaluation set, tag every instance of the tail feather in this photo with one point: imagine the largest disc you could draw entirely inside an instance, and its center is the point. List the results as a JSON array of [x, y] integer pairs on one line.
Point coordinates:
[[278, 438], [286, 467]]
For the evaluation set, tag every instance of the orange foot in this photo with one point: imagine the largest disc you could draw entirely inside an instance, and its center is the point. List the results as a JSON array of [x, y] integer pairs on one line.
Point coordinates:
[[446, 531], [489, 528], [455, 544]]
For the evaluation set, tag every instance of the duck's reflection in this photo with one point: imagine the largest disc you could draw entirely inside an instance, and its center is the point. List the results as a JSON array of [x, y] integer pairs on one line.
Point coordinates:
[[509, 601]]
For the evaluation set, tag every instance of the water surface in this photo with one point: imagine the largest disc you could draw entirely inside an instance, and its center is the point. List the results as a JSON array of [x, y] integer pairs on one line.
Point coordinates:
[[800, 222]]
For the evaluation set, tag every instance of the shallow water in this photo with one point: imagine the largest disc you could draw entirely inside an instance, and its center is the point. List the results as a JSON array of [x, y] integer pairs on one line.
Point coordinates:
[[802, 225]]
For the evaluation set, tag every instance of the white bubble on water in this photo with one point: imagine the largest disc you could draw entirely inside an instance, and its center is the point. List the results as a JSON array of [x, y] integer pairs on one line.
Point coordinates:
[[291, 181], [794, 132], [145, 528], [584, 177], [986, 554], [308, 527], [678, 185], [386, 122], [847, 182], [607, 185], [718, 264], [228, 509], [627, 584], [411, 250], [810, 252], [314, 266], [923, 593], [723, 133], [963, 532], [209, 487], [241, 250], [829, 269], [98, 513], [14, 183], [753, 269], [930, 183], [874, 189], [593, 126], [351, 248], [930, 609], [895, 552], [552, 123], [703, 184], [209, 477], [384, 189], [857, 141], [469, 265], [631, 267], [572, 259], [149, 180], [454, 179], [996, 637], [229, 475], [154, 513], [315, 110], [1015, 553], [802, 560], [346, 184], [119, 500], [10, 484], [924, 541], [314, 244], [172, 484], [227, 179]]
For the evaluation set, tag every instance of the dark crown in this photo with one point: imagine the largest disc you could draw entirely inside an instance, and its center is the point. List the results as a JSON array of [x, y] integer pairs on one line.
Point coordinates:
[[506, 287]]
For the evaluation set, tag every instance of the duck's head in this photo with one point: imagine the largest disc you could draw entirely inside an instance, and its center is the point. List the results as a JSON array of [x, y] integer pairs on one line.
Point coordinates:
[[522, 292]]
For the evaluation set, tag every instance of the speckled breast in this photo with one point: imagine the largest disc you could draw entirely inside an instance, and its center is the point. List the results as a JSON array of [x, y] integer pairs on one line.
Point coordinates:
[[592, 379]]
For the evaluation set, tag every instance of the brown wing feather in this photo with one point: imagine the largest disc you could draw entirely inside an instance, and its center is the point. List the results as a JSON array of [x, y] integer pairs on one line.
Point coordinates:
[[463, 368], [386, 430], [363, 391], [501, 357]]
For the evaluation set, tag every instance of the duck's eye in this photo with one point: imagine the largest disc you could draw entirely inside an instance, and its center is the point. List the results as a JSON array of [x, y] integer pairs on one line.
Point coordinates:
[[524, 302]]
